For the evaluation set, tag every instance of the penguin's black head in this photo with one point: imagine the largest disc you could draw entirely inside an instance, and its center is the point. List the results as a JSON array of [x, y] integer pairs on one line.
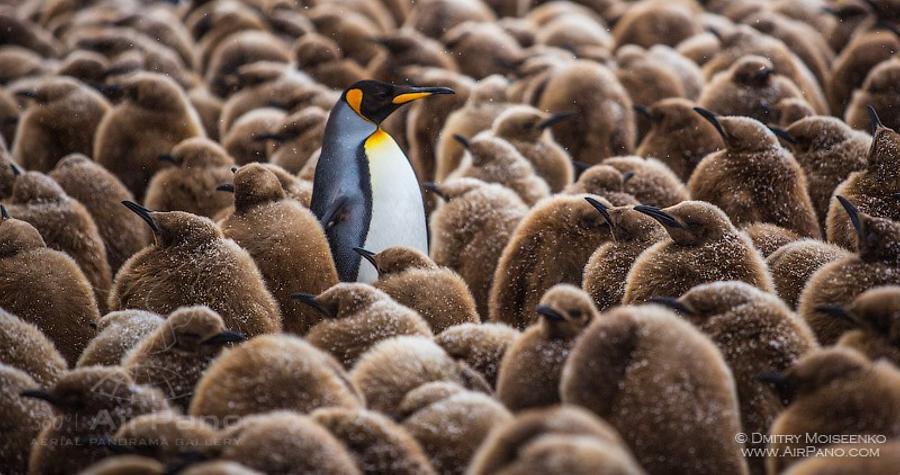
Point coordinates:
[[376, 100]]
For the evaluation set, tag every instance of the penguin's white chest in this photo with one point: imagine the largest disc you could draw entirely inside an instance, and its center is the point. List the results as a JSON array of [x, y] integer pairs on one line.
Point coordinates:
[[398, 213]]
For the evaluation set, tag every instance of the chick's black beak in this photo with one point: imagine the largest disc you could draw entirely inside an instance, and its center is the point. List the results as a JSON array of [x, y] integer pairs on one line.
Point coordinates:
[[433, 187], [409, 93], [672, 303], [764, 74], [144, 213], [555, 119], [39, 394], [225, 337], [462, 141], [853, 213], [644, 111], [712, 119], [274, 136], [601, 208], [310, 299], [783, 135], [664, 218], [367, 255], [549, 313], [168, 159], [837, 311], [226, 187], [4, 213]]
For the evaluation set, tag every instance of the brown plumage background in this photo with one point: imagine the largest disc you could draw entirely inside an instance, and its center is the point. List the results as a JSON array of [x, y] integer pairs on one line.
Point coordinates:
[[727, 169]]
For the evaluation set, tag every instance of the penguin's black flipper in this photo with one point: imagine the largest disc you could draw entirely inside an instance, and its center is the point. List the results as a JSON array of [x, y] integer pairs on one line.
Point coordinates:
[[333, 213]]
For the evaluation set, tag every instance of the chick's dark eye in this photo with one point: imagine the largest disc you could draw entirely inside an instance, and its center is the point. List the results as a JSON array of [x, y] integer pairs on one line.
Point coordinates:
[[575, 313]]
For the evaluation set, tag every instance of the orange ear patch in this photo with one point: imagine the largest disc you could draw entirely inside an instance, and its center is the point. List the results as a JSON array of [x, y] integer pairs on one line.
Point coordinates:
[[354, 97]]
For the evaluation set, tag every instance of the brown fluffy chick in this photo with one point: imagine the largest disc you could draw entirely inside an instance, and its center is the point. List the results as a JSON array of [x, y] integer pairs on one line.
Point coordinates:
[[532, 367], [737, 317], [294, 374], [102, 193], [284, 442], [244, 47], [426, 119], [61, 119], [90, 405], [880, 92], [396, 366], [117, 333], [440, 295], [494, 160], [379, 445], [647, 81], [652, 182], [605, 124], [23, 418], [527, 129], [45, 288], [768, 238], [607, 269], [176, 354], [791, 110], [242, 139], [299, 135], [877, 262], [558, 440], [168, 437], [657, 22], [487, 100], [472, 415], [871, 189], [744, 40], [471, 229], [435, 17], [9, 171], [200, 165], [703, 246], [154, 116], [354, 317], [324, 61], [606, 182], [833, 391], [754, 178], [678, 136], [645, 350], [794, 263], [66, 226], [479, 345], [285, 240], [23, 346], [483, 49], [876, 314], [404, 48], [850, 69], [828, 151], [190, 264], [550, 246]]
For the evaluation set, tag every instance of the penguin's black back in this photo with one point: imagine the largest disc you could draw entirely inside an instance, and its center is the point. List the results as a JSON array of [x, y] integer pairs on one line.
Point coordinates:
[[342, 181]]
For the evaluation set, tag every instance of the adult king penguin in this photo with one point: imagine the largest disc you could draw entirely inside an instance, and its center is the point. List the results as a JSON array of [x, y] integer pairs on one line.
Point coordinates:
[[365, 192]]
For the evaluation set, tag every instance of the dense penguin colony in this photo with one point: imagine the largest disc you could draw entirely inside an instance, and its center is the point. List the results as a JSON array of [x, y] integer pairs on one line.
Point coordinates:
[[663, 237]]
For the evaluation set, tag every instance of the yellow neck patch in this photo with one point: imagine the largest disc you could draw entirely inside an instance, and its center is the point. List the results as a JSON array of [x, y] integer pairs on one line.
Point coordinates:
[[354, 97], [376, 140]]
